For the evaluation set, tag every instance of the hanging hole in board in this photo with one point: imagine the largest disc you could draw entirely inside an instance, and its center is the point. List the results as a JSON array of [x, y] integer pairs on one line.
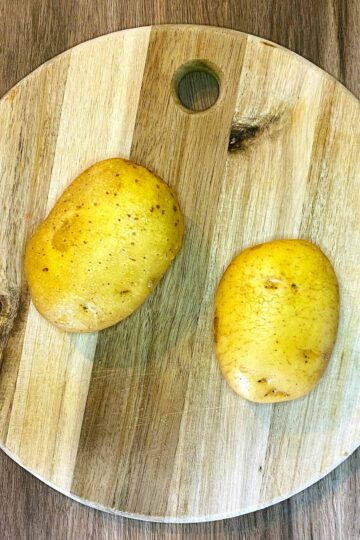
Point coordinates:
[[196, 86]]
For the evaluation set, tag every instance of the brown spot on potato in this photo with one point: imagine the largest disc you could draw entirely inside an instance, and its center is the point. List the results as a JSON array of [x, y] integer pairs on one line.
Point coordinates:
[[309, 354], [277, 393], [271, 286], [45, 269]]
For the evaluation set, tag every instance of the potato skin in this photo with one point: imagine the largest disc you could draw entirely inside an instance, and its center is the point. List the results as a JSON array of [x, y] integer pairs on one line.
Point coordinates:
[[276, 319], [104, 246]]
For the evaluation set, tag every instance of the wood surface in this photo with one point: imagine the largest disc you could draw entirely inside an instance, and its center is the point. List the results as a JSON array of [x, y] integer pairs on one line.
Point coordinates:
[[137, 419], [229, 522]]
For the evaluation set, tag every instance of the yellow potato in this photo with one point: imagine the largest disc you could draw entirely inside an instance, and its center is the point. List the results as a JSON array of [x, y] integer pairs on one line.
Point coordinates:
[[104, 246], [276, 318]]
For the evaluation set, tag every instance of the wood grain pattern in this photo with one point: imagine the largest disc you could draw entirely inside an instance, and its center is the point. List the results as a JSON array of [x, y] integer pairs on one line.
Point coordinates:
[[143, 403], [33, 31], [65, 375]]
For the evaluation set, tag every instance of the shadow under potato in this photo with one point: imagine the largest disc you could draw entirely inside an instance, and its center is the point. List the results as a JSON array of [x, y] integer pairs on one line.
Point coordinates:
[[170, 315], [139, 385]]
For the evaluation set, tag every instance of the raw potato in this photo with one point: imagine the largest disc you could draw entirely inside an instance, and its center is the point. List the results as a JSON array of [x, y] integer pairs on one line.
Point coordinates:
[[104, 246], [276, 318]]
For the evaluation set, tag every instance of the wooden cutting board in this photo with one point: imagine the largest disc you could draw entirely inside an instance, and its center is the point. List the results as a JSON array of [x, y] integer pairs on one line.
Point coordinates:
[[137, 419]]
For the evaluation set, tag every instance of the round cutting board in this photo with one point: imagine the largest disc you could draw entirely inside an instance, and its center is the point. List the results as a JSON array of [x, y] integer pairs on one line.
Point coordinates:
[[137, 419]]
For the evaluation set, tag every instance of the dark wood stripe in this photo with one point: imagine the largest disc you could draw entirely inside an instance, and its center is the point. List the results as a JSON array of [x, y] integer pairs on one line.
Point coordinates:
[[139, 381], [319, 177]]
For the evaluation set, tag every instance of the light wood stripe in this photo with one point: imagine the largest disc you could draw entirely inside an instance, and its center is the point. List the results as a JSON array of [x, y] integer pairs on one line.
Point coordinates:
[[55, 369]]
